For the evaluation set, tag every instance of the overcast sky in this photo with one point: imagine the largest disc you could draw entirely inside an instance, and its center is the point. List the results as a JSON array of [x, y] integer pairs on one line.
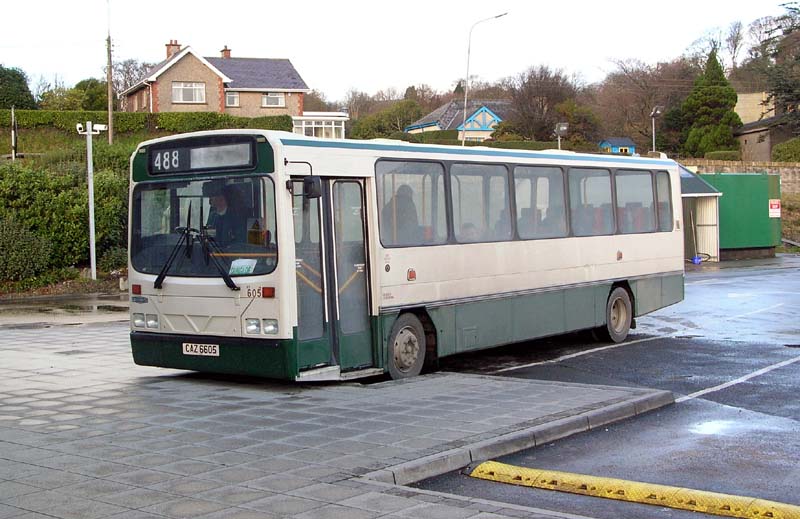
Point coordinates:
[[368, 45]]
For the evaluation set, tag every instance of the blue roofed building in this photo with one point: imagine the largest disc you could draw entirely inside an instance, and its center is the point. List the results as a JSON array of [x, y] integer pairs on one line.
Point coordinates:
[[482, 118], [618, 145]]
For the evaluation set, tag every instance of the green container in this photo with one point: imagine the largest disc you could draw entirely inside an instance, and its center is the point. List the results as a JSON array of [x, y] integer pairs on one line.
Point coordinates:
[[748, 216]]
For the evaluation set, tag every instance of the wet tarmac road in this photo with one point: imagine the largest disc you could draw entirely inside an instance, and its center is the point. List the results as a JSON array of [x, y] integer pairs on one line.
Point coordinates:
[[737, 327]]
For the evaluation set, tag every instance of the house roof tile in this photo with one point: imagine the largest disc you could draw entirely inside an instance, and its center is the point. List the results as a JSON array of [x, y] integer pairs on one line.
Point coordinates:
[[260, 73]]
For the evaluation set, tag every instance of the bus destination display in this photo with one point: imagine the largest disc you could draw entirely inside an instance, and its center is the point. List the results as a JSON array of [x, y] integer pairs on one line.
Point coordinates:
[[196, 158]]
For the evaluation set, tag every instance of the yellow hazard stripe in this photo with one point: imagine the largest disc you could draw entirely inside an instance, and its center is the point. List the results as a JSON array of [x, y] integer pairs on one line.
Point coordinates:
[[637, 492]]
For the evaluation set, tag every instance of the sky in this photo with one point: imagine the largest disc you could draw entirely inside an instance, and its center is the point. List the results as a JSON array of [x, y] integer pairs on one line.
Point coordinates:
[[366, 45]]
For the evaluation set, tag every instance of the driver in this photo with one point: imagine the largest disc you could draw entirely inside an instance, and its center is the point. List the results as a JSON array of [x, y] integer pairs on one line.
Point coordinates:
[[224, 218]]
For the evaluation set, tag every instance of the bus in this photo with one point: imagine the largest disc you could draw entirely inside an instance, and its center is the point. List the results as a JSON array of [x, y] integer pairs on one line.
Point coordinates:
[[277, 255]]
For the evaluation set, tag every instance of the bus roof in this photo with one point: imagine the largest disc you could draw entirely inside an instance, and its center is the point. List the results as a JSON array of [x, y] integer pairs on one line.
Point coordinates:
[[388, 145]]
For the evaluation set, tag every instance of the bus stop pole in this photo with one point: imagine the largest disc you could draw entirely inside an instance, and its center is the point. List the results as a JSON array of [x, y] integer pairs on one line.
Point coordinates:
[[90, 170]]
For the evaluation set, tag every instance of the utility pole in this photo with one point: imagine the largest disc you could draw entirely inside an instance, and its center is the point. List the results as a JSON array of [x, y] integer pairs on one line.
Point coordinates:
[[109, 84], [13, 135]]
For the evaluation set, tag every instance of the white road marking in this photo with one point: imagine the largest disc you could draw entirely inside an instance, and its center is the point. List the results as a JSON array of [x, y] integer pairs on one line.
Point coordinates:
[[739, 380], [767, 309], [578, 354]]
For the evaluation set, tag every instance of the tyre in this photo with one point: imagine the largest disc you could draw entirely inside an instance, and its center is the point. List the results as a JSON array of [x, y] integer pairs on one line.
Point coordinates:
[[407, 347], [619, 313]]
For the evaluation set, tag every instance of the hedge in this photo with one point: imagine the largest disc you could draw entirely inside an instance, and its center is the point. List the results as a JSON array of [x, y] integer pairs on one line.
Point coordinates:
[[125, 122], [723, 155], [788, 151], [54, 206], [24, 253]]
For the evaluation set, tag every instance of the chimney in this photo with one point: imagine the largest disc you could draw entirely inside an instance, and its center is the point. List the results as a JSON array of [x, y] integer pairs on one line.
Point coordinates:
[[173, 47], [226, 52]]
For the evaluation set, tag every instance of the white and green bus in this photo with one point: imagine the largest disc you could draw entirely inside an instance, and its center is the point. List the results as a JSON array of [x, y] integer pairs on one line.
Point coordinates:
[[277, 255]]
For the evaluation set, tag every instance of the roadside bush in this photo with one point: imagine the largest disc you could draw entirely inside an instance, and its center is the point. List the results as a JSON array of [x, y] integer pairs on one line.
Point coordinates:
[[55, 207], [723, 155], [788, 151], [24, 254], [114, 258]]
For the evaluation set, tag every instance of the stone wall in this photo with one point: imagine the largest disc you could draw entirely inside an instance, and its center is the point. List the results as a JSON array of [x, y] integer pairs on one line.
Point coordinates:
[[789, 171]]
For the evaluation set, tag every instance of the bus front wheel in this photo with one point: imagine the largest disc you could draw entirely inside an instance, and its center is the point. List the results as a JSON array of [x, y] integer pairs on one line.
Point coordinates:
[[619, 313], [407, 347]]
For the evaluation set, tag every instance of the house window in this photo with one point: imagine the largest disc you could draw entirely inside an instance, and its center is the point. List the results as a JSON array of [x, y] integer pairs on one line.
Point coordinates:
[[231, 98], [184, 92], [273, 100], [624, 151]]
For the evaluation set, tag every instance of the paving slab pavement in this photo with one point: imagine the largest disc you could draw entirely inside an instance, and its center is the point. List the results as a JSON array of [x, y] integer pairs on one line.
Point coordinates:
[[85, 433]]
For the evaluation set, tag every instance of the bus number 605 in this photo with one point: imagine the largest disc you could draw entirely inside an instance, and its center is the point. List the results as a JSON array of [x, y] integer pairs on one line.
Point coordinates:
[[253, 293]]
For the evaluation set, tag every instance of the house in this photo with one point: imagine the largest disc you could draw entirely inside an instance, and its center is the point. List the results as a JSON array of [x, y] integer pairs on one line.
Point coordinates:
[[758, 138], [482, 118], [245, 87], [188, 82], [618, 145]]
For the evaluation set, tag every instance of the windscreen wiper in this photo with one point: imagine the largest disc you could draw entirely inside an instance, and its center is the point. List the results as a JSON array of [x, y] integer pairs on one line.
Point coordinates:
[[210, 248], [186, 236]]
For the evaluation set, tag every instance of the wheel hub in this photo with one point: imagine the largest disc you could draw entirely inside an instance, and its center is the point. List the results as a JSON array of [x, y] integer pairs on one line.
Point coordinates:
[[406, 349]]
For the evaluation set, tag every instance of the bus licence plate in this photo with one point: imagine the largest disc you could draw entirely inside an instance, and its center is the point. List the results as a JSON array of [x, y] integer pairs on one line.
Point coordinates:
[[204, 350]]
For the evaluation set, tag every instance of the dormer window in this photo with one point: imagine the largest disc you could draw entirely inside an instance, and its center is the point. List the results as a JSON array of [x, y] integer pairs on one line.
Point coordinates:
[[273, 100]]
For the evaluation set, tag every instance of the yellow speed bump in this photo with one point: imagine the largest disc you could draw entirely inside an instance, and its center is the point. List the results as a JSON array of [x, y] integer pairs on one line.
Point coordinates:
[[637, 492]]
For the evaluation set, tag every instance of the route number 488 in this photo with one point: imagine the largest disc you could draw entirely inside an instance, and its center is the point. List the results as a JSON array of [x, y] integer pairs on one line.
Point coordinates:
[[167, 160]]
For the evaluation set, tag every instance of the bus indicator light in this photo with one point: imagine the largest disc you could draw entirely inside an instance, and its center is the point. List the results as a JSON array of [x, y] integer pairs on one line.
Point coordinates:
[[268, 292], [136, 289], [411, 275]]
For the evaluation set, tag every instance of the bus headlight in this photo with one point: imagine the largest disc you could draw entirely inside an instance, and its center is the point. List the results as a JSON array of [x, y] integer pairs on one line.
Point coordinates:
[[252, 326], [270, 326], [138, 320], [152, 320]]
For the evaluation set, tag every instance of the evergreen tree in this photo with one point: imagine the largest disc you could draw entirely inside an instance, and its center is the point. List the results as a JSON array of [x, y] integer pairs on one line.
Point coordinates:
[[783, 75], [14, 90], [708, 111]]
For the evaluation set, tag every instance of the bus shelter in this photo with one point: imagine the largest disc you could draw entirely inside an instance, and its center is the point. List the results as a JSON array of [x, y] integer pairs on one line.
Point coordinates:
[[701, 218]]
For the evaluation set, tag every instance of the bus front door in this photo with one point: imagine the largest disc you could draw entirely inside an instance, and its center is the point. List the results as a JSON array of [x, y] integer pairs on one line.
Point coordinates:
[[332, 277]]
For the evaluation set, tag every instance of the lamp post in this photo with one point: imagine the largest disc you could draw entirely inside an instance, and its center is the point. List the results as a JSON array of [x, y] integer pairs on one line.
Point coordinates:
[[561, 131], [657, 110], [88, 132], [466, 79]]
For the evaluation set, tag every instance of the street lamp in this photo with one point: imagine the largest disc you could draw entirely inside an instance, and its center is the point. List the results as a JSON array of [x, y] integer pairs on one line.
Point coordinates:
[[466, 79], [561, 131], [88, 131], [657, 111]]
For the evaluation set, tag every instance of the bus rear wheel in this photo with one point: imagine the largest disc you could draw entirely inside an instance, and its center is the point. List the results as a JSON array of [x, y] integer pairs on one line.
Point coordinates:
[[619, 313], [407, 347]]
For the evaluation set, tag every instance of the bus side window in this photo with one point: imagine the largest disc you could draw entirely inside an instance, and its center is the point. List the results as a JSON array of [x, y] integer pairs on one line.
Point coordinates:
[[591, 212], [411, 203], [635, 207], [664, 201], [480, 202]]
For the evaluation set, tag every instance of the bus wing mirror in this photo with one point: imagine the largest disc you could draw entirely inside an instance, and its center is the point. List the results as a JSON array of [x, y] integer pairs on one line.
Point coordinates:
[[312, 187]]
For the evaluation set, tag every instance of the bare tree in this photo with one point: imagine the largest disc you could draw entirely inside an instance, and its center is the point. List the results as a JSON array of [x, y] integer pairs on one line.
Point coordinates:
[[358, 104], [534, 95], [127, 73], [734, 42]]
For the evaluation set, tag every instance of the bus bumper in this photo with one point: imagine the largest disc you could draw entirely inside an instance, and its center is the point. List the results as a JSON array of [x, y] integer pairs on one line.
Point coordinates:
[[270, 358]]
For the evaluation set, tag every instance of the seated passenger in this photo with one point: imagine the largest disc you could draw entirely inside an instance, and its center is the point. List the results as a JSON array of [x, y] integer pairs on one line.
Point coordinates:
[[469, 233], [399, 219], [502, 229]]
